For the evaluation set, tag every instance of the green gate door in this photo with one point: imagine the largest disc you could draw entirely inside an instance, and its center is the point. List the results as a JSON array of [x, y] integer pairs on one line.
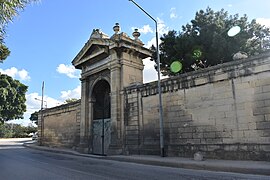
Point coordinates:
[[101, 115]]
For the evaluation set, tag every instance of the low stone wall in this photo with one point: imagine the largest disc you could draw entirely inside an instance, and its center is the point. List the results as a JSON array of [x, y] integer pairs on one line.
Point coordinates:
[[222, 111], [61, 125]]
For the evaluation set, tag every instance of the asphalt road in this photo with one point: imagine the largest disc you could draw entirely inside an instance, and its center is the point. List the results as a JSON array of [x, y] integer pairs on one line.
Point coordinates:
[[20, 163]]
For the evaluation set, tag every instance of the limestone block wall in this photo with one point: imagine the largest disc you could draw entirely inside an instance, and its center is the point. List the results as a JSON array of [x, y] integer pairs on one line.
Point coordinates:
[[222, 111], [61, 125]]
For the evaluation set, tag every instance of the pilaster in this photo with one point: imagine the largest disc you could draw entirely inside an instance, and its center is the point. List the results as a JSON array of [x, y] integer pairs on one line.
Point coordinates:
[[116, 79], [84, 124]]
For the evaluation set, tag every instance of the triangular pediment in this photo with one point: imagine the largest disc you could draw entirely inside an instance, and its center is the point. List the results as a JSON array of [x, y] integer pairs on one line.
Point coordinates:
[[100, 45], [93, 50]]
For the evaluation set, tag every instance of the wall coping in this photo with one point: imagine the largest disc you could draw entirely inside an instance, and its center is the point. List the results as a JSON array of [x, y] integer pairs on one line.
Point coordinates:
[[220, 72], [61, 107]]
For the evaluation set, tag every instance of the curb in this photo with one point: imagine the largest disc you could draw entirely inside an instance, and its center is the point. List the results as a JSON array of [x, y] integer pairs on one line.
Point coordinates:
[[196, 165], [61, 151]]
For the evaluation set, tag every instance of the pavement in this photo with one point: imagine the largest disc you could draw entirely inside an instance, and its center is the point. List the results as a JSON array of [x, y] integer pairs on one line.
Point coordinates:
[[245, 167]]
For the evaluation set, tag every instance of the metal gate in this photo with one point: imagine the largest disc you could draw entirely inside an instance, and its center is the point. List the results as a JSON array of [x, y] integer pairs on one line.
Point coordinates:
[[101, 118], [101, 136]]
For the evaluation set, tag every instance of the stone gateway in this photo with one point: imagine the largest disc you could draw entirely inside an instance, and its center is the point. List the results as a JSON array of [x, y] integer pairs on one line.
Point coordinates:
[[222, 111]]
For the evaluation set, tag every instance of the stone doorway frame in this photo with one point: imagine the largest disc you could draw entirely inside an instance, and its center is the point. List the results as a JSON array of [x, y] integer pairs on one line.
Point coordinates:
[[101, 118]]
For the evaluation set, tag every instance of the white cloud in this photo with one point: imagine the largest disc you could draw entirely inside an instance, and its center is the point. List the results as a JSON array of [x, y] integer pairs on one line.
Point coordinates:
[[23, 74], [33, 103], [75, 93], [263, 21], [173, 14], [229, 5], [68, 70], [145, 29], [23, 122], [16, 74], [151, 42], [149, 72], [162, 29]]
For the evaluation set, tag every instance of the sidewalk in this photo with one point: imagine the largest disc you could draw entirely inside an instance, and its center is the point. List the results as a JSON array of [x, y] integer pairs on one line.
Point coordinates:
[[245, 167]]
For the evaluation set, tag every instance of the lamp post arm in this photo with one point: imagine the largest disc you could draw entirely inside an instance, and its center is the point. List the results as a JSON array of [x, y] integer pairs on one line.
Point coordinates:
[[144, 11]]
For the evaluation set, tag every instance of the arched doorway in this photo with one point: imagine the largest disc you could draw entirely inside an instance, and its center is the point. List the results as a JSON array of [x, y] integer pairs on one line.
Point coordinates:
[[101, 117]]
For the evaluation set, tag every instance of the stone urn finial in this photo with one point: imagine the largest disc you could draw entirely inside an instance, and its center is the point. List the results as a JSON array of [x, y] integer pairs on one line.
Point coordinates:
[[116, 28], [136, 34]]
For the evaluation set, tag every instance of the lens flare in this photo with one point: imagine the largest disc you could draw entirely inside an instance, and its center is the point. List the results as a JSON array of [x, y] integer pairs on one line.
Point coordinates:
[[197, 53], [176, 66]]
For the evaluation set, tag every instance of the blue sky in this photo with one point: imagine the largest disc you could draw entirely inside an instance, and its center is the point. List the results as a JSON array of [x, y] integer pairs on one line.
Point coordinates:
[[46, 36]]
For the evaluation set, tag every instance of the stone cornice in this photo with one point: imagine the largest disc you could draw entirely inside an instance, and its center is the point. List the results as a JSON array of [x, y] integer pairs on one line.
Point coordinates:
[[253, 65], [98, 47], [61, 108]]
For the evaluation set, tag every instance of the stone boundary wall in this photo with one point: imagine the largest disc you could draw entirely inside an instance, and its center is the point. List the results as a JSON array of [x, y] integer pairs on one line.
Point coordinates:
[[222, 111], [61, 125]]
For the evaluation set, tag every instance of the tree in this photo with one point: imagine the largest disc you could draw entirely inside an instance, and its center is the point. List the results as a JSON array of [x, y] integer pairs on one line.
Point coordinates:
[[12, 98], [30, 129], [8, 130], [71, 100], [8, 10], [4, 51], [204, 42], [12, 92], [5, 130], [34, 117], [18, 131]]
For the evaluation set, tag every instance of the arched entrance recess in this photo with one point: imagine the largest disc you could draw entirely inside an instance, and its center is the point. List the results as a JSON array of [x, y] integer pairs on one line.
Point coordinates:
[[101, 117], [117, 60]]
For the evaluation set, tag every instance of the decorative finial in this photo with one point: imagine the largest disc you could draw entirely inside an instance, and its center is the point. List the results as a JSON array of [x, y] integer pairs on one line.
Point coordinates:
[[136, 34], [116, 28]]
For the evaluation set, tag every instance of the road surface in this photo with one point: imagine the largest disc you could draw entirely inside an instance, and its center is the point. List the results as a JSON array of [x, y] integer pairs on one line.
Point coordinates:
[[20, 163]]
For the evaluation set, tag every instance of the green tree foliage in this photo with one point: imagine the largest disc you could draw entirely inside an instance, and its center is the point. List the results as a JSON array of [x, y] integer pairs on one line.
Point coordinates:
[[30, 129], [15, 130], [8, 10], [12, 98], [5, 130], [71, 100], [4, 52], [204, 42], [18, 131], [34, 117], [12, 92]]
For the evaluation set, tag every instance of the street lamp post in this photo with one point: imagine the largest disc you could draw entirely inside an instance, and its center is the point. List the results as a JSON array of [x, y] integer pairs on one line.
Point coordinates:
[[41, 115], [159, 88], [46, 105]]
